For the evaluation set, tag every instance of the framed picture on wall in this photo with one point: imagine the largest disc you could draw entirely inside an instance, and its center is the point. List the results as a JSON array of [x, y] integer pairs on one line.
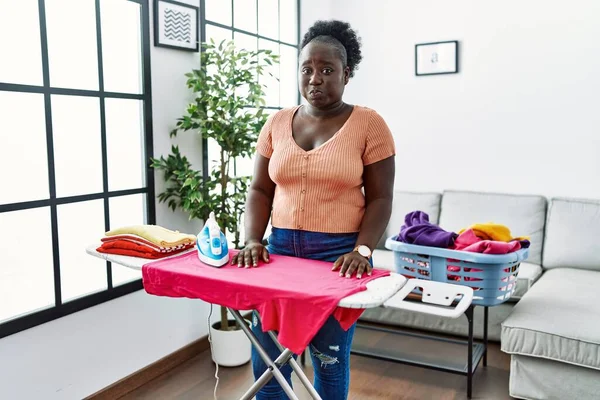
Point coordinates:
[[436, 58], [176, 25]]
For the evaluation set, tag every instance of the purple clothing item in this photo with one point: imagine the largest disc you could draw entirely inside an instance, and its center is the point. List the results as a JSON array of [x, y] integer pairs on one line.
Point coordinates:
[[418, 230]]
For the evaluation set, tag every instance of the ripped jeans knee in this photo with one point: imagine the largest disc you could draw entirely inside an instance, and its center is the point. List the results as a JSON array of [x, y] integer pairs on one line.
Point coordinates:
[[326, 359]]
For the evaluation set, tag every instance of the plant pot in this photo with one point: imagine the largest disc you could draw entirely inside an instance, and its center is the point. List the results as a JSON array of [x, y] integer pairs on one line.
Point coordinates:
[[229, 348]]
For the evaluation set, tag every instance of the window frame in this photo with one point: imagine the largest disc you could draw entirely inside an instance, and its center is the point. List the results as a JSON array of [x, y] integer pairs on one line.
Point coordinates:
[[60, 309], [204, 22]]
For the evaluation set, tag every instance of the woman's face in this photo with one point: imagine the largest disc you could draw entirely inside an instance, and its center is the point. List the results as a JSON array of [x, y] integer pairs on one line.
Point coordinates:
[[322, 76]]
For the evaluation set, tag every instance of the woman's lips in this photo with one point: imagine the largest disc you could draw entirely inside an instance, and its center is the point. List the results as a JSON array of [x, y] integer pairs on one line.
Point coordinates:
[[315, 94]]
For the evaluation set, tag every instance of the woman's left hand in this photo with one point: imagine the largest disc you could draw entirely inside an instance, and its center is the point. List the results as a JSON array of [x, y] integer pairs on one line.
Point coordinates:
[[352, 262]]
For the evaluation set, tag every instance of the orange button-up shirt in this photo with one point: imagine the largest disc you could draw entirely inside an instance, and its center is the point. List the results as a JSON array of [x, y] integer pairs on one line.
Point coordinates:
[[321, 190]]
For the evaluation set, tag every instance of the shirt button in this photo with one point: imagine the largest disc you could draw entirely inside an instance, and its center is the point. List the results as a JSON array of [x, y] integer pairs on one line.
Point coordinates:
[[306, 157], [299, 226], [302, 209], [304, 174], [303, 191]]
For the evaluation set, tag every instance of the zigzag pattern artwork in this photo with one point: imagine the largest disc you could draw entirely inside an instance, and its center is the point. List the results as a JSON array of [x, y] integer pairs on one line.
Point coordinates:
[[178, 26]]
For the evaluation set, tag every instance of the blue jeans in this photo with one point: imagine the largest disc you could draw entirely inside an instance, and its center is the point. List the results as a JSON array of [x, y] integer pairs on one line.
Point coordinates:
[[330, 348]]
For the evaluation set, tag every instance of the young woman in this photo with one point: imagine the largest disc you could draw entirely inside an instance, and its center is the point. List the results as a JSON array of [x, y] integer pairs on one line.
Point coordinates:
[[314, 161]]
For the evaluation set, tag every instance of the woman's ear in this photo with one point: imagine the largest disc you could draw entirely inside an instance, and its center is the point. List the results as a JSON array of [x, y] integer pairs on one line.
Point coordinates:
[[346, 75]]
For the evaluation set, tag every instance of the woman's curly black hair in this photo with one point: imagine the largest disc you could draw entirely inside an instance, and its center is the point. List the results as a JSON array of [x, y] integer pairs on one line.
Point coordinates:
[[340, 35]]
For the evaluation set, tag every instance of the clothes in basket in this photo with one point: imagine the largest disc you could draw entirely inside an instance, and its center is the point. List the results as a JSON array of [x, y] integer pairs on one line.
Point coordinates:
[[484, 238]]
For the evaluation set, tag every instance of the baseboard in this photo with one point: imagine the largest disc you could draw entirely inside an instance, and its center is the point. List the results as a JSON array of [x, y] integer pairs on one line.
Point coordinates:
[[152, 371]]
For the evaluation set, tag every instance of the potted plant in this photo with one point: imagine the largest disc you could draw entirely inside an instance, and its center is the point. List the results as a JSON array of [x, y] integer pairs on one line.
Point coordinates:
[[227, 108]]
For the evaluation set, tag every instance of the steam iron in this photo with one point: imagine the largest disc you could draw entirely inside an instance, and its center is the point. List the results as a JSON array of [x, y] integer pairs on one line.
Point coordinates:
[[211, 244]]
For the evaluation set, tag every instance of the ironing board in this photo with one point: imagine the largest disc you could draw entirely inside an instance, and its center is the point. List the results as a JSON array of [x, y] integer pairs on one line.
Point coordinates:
[[387, 291]]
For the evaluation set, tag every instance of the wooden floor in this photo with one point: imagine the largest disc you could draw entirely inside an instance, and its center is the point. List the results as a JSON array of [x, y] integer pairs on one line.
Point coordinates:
[[370, 379]]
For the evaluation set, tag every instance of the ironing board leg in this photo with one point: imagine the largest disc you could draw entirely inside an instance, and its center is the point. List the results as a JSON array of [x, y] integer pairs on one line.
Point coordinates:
[[273, 367], [298, 370], [272, 371]]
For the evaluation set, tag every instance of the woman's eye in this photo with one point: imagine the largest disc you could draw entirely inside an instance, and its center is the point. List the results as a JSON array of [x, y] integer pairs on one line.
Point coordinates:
[[306, 71], [327, 71]]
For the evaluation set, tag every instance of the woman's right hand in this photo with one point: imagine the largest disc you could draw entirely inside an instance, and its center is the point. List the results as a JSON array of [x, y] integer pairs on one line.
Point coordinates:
[[250, 255]]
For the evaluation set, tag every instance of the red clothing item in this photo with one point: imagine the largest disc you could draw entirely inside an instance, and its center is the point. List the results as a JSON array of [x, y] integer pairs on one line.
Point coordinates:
[[293, 296], [468, 241], [128, 248], [140, 240]]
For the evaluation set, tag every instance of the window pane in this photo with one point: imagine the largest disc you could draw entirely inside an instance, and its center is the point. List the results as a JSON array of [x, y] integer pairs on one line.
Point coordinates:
[[26, 284], [270, 75], [214, 153], [23, 124], [79, 225], [77, 145], [288, 15], [217, 34], [249, 43], [218, 11], [243, 41], [121, 46], [20, 42], [126, 211], [72, 50], [125, 144], [268, 18], [244, 166], [289, 76], [244, 15]]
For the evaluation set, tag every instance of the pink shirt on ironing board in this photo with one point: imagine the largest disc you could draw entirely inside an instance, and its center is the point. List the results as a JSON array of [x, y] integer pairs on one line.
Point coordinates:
[[293, 296]]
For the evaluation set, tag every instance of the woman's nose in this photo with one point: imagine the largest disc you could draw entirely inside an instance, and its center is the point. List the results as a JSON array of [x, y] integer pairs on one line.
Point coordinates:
[[316, 79]]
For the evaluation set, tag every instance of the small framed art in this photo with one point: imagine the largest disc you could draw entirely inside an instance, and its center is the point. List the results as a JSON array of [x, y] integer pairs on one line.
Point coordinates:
[[436, 58], [176, 25]]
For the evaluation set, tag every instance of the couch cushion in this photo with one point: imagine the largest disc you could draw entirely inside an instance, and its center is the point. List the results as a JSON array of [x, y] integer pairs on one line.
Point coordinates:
[[572, 234], [538, 378], [558, 319], [524, 215], [528, 273], [383, 259], [405, 202]]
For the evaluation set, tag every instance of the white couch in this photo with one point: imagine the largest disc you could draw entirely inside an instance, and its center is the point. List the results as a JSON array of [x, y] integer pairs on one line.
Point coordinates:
[[551, 324]]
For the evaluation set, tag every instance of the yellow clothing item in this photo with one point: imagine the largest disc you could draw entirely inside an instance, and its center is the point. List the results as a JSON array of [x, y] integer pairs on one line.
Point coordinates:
[[491, 231], [156, 234]]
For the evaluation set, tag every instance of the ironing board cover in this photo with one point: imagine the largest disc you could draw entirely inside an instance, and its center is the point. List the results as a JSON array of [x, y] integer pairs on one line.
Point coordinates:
[[293, 296]]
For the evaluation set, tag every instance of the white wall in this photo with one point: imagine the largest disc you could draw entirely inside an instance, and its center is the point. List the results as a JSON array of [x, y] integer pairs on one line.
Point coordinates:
[[75, 356], [313, 10], [522, 114]]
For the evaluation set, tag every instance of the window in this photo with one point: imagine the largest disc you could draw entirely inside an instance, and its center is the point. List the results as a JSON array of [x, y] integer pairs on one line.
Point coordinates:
[[257, 24], [75, 137]]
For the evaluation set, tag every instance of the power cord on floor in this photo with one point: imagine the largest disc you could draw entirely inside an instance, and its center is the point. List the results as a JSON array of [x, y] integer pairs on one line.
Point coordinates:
[[211, 352]]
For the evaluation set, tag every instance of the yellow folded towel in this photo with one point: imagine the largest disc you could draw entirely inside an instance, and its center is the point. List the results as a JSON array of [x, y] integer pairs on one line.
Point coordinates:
[[491, 231], [156, 234]]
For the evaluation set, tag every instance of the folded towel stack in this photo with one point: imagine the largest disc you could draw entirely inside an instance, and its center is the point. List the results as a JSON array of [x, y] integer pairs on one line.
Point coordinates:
[[145, 241]]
